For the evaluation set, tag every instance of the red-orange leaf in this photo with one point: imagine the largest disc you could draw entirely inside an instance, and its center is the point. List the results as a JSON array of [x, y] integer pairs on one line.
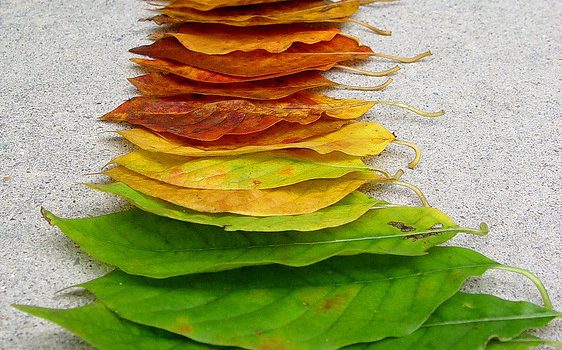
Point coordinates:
[[297, 58], [202, 75], [280, 133], [209, 118], [157, 84]]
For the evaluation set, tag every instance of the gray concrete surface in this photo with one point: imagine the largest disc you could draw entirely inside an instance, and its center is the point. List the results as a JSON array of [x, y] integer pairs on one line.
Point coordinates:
[[495, 157]]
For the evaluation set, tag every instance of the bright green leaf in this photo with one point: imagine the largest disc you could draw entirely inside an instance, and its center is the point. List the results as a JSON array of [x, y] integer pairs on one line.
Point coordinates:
[[340, 301], [468, 322], [144, 244], [349, 209]]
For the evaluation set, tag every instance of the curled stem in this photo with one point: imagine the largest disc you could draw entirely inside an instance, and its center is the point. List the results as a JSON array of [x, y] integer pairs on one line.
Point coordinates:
[[416, 149], [412, 109], [369, 73], [402, 59], [398, 174], [420, 194], [371, 27], [382, 172], [538, 283], [367, 88]]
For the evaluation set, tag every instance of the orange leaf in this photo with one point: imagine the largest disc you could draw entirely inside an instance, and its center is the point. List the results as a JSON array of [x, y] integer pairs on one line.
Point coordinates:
[[207, 119], [218, 39], [297, 11], [302, 198], [205, 5], [297, 58]]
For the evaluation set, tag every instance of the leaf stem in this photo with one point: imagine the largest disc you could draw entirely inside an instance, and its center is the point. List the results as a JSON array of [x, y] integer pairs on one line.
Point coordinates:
[[416, 149], [367, 88], [538, 283], [402, 59], [412, 109], [366, 72], [371, 27], [381, 171], [420, 194]]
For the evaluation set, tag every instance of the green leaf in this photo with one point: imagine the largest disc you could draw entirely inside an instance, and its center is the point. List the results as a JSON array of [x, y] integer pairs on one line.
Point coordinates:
[[468, 322], [144, 244], [328, 305], [103, 329], [350, 208], [262, 170]]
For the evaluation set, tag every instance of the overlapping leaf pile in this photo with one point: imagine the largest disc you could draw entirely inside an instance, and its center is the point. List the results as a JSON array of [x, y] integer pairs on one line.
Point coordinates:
[[232, 138]]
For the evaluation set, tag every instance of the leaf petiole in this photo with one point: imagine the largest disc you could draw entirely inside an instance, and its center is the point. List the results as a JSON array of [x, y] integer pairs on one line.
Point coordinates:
[[371, 27], [412, 109], [538, 283], [367, 88], [369, 73], [416, 149]]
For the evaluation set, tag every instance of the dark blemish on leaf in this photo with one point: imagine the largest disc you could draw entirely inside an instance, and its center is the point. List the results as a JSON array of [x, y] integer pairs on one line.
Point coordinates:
[[256, 182], [258, 333], [45, 214], [401, 226], [333, 303], [422, 236]]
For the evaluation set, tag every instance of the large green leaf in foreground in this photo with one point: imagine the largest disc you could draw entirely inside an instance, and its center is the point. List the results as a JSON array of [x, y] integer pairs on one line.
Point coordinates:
[[334, 303], [467, 322], [350, 208], [102, 328], [144, 244]]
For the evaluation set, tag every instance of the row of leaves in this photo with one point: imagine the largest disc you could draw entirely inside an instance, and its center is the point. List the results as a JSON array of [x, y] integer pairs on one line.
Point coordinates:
[[231, 139]]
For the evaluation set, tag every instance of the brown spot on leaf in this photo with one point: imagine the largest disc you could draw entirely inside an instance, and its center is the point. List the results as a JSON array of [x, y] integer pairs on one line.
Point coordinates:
[[183, 329], [256, 182], [333, 302], [401, 226]]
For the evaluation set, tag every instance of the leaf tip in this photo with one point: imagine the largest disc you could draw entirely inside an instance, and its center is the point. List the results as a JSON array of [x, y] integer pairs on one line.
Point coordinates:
[[48, 216]]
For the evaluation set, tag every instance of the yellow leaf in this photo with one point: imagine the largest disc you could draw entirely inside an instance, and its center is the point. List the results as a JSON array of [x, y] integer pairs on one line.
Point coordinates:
[[302, 198], [356, 139]]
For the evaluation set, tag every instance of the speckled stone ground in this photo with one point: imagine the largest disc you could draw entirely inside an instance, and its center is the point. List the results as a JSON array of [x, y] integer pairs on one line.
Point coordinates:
[[495, 157]]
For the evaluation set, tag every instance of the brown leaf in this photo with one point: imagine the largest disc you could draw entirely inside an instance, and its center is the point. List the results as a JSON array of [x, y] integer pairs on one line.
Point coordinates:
[[297, 58]]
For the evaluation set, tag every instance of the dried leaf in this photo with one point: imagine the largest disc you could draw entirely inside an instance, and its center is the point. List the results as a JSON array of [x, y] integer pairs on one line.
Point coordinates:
[[337, 302], [218, 39], [347, 210], [312, 11], [202, 75], [302, 198], [158, 84], [262, 170], [468, 322], [357, 139], [149, 245], [206, 5], [208, 118], [297, 58]]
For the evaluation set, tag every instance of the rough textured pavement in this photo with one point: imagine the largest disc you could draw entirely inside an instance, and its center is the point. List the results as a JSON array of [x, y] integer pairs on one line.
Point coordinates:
[[495, 156]]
